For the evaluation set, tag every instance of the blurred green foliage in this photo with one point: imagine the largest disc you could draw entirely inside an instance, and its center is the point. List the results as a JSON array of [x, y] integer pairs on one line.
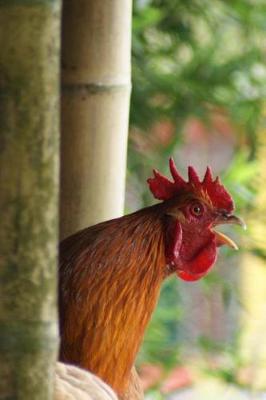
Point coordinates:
[[161, 337], [188, 55], [189, 59]]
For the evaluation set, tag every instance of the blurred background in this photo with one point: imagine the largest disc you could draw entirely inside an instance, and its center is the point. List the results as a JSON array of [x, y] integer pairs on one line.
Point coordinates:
[[199, 85]]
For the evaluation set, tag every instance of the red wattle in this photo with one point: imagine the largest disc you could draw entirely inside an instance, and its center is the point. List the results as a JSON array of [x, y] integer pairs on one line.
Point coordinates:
[[200, 265], [185, 276]]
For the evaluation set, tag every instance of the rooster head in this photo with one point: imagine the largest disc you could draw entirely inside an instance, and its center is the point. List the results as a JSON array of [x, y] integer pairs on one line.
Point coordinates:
[[192, 209]]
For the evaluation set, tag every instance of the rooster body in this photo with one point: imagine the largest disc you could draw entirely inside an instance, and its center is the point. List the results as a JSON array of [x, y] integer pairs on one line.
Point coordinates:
[[111, 273], [105, 309]]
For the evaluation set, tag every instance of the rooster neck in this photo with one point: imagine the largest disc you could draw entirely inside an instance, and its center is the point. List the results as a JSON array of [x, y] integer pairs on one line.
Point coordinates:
[[116, 279]]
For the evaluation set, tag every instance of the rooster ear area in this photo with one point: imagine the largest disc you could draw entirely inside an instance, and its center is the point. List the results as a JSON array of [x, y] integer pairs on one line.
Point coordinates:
[[173, 243]]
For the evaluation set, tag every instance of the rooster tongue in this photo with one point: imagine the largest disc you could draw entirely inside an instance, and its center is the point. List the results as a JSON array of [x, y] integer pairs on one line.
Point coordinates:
[[222, 239]]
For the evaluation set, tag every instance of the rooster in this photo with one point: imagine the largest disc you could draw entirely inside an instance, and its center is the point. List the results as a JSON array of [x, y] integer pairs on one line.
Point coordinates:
[[111, 273]]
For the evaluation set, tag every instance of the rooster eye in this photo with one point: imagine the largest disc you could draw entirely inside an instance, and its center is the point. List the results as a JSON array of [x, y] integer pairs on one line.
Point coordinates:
[[197, 209]]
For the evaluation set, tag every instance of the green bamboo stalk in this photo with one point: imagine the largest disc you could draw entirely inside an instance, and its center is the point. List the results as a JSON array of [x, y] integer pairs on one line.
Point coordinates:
[[29, 126], [96, 86]]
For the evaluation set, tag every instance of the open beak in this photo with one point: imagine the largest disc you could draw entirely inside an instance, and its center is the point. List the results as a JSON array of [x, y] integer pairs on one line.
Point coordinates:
[[221, 238]]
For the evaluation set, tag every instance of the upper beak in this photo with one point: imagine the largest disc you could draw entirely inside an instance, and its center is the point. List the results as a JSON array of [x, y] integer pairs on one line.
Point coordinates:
[[230, 219], [224, 218]]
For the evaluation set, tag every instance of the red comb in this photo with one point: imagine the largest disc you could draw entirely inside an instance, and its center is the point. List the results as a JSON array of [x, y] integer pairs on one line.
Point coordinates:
[[164, 189]]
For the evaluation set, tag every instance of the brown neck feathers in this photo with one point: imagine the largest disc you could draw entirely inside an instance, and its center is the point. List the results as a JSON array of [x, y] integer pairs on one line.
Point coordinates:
[[109, 287]]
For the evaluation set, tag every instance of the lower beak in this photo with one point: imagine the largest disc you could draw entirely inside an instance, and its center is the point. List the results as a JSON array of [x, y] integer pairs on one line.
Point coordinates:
[[221, 238]]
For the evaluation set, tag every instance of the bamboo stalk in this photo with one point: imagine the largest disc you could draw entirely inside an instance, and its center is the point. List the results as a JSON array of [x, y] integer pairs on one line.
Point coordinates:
[[29, 65], [95, 106]]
